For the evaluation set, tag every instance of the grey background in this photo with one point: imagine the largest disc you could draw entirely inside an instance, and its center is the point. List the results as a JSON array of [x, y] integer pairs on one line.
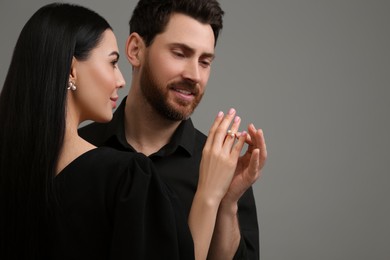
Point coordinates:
[[315, 76]]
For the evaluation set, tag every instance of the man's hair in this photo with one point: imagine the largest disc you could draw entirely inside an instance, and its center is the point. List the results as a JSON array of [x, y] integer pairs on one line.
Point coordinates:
[[150, 17]]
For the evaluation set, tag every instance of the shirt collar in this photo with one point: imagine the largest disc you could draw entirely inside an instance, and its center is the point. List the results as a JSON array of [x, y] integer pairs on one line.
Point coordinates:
[[116, 128], [184, 137]]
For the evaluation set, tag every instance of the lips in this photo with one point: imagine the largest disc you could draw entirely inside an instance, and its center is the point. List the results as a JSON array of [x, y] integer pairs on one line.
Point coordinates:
[[185, 92], [113, 101], [185, 88]]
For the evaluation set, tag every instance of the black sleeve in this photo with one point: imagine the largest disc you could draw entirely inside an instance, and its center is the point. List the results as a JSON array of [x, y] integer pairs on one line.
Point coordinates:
[[95, 133], [241, 253], [247, 217]]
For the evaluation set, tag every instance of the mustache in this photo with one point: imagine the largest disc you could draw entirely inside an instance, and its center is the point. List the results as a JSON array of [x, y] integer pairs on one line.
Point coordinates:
[[187, 85]]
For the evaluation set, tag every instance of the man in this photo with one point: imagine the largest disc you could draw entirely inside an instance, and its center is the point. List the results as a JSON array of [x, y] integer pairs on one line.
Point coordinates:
[[171, 47]]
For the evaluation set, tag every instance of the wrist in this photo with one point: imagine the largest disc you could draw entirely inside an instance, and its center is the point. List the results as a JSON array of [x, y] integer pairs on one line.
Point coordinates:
[[207, 199], [228, 207]]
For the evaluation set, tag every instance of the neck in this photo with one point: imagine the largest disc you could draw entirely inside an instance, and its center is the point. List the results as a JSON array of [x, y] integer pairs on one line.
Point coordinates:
[[146, 130], [73, 145]]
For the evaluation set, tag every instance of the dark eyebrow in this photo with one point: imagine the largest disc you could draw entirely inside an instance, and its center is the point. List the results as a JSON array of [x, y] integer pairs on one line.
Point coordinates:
[[115, 53], [188, 49]]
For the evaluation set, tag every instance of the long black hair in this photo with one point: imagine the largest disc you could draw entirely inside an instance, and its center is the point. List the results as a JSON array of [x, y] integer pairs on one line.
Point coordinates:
[[32, 120]]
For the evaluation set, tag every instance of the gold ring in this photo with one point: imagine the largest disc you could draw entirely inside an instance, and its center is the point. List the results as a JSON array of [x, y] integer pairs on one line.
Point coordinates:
[[230, 133]]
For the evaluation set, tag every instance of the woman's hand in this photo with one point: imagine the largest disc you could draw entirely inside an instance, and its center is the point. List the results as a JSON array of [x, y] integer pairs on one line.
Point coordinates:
[[217, 167], [226, 236], [220, 156]]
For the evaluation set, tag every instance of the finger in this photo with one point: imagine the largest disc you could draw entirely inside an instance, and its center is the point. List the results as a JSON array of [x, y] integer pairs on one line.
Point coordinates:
[[213, 129], [237, 148], [255, 135], [236, 124], [251, 137], [220, 133], [254, 166], [248, 139], [252, 130], [257, 138], [230, 137], [263, 148], [258, 142]]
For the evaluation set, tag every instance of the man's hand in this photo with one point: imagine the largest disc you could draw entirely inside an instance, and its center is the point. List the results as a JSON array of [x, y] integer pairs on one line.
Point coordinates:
[[249, 165]]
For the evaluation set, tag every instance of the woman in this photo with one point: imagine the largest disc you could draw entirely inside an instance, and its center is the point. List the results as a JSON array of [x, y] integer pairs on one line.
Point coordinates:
[[63, 198]]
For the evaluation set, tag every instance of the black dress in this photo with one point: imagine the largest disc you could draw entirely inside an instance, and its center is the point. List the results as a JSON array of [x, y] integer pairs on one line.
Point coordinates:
[[113, 205]]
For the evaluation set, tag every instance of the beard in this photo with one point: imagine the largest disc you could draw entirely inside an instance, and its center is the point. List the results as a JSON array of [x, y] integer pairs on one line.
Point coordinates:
[[158, 96]]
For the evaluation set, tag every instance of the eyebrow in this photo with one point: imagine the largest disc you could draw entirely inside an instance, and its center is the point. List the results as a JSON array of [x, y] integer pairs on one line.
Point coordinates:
[[187, 48], [115, 53]]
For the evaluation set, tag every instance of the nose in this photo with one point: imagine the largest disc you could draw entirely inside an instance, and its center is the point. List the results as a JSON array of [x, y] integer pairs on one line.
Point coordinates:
[[191, 71], [120, 82]]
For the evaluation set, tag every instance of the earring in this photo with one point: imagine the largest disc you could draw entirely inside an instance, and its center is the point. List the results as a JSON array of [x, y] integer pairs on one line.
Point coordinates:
[[72, 86]]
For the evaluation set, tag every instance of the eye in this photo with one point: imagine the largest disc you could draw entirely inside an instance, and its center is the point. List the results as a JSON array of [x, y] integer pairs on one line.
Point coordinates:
[[114, 63], [178, 53], [205, 63]]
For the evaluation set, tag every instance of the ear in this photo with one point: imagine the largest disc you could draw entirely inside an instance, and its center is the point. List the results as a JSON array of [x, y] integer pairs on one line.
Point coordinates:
[[135, 47], [73, 70]]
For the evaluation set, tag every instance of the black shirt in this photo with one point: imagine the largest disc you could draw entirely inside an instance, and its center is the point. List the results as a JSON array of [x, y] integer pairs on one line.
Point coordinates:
[[178, 165], [112, 205]]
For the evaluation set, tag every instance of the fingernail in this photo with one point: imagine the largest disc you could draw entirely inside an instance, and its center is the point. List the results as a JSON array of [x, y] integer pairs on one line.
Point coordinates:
[[231, 111], [220, 114], [236, 119]]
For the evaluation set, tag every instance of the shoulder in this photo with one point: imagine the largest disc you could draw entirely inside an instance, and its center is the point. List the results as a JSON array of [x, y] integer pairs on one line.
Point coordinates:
[[107, 172], [113, 158], [95, 133], [105, 164]]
